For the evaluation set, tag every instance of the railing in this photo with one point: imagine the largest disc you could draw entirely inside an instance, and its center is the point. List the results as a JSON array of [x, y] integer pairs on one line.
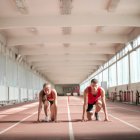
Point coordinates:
[[6, 102], [137, 97], [128, 96]]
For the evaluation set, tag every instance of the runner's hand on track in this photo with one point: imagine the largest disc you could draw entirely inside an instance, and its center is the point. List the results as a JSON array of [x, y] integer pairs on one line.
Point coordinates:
[[106, 119], [38, 120], [83, 119]]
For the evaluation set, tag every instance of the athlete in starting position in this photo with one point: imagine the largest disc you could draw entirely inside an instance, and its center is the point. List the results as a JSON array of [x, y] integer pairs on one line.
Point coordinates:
[[48, 97], [92, 96]]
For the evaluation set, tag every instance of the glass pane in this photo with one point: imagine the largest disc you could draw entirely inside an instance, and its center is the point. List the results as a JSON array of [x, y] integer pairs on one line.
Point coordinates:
[[135, 66], [112, 75], [105, 75], [119, 72], [138, 40], [129, 47], [135, 43]]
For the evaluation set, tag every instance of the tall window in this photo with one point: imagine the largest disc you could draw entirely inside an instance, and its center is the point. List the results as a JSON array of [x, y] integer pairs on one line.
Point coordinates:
[[138, 39], [11, 72], [135, 66], [2, 67], [105, 75], [112, 60], [112, 75], [100, 78], [123, 71]]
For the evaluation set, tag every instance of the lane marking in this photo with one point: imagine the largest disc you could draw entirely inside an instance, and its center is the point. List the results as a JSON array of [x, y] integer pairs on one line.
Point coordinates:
[[133, 126], [130, 109], [5, 130], [23, 107], [71, 135], [113, 107], [116, 107], [16, 109]]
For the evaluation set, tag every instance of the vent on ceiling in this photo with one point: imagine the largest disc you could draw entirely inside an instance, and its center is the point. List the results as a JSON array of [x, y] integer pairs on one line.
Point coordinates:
[[66, 45], [65, 7], [66, 30], [67, 54]]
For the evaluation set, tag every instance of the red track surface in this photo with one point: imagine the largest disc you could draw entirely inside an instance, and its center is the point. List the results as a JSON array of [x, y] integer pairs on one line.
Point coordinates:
[[19, 122]]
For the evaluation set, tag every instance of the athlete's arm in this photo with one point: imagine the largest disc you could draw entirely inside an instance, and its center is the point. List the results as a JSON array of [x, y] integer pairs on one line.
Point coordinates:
[[55, 105], [39, 106], [84, 105], [104, 104]]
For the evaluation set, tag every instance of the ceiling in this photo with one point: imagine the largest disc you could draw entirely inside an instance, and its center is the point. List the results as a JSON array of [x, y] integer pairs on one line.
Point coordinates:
[[68, 40]]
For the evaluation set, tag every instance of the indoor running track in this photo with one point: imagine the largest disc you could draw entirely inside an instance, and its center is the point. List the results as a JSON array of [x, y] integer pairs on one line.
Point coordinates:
[[19, 122]]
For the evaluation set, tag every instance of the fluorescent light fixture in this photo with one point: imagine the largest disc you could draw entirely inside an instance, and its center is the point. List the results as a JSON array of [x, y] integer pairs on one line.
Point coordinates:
[[18, 57], [33, 30], [21, 6]]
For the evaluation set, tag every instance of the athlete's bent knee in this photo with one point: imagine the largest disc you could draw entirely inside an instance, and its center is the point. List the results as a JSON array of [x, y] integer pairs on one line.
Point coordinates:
[[46, 104], [99, 104]]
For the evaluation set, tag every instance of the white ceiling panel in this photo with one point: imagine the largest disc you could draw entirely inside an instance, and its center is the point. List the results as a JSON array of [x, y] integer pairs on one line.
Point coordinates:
[[68, 40]]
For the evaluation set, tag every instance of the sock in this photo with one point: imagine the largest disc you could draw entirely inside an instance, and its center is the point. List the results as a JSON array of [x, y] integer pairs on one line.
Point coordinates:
[[96, 116]]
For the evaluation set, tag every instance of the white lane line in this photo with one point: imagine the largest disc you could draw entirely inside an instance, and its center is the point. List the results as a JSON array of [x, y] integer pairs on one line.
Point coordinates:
[[70, 123], [117, 107], [23, 107], [130, 109], [137, 128], [16, 110], [5, 130]]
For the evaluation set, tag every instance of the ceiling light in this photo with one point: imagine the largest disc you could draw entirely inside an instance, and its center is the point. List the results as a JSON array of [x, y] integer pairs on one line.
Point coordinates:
[[66, 30], [66, 45], [33, 30], [99, 29], [65, 7], [92, 44], [21, 6], [67, 54], [17, 56]]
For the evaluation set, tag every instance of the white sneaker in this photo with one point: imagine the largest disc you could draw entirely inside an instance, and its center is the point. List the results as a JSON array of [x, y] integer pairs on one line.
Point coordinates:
[[91, 112], [47, 119]]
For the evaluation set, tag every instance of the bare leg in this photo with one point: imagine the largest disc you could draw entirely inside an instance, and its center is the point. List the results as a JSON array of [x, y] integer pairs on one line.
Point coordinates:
[[53, 109], [47, 108], [89, 116], [98, 106], [52, 112]]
